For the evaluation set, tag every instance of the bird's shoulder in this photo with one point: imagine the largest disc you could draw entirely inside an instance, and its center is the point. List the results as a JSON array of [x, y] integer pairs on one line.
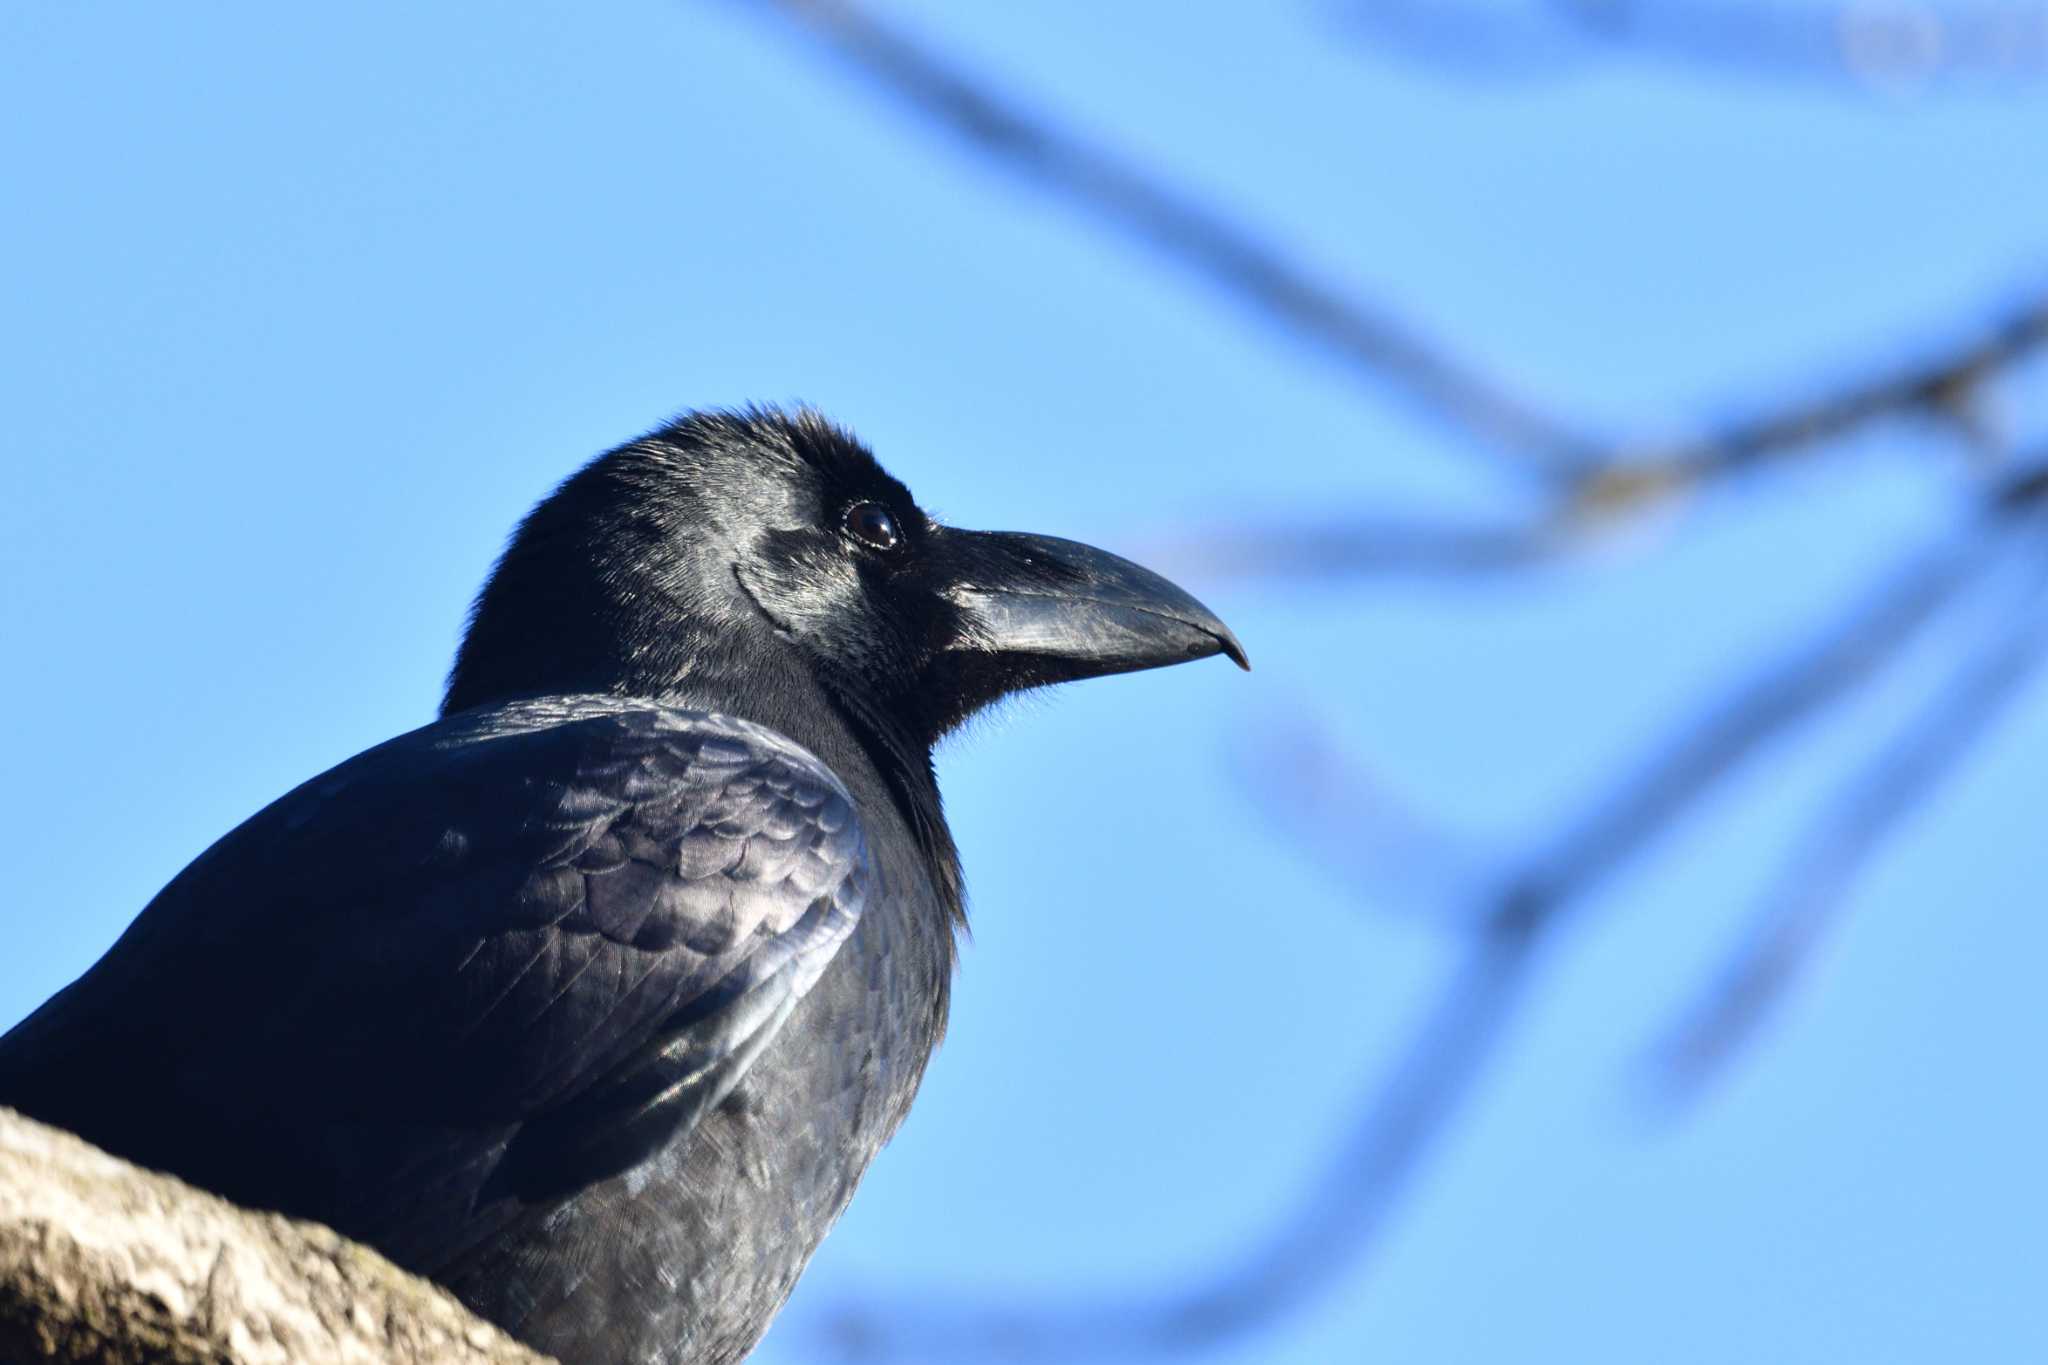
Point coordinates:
[[493, 914], [573, 868], [590, 814], [613, 810]]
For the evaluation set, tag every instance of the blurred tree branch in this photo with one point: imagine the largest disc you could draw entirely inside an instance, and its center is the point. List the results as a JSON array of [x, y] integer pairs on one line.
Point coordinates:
[[1894, 44], [1115, 194], [1814, 887], [1583, 482], [1947, 388], [1591, 474]]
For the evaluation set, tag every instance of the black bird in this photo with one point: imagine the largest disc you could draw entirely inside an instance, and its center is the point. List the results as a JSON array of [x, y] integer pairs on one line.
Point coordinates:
[[594, 998]]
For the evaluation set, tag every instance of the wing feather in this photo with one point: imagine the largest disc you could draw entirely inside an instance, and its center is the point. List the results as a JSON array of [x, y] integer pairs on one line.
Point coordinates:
[[494, 960]]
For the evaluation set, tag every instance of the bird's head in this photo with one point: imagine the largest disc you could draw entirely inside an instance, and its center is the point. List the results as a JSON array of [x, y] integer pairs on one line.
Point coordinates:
[[739, 548]]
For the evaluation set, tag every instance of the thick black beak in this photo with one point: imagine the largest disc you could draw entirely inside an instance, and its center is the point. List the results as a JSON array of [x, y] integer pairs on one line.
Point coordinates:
[[1068, 610]]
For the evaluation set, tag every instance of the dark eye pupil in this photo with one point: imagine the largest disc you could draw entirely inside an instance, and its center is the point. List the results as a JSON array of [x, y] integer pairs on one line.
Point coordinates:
[[871, 523]]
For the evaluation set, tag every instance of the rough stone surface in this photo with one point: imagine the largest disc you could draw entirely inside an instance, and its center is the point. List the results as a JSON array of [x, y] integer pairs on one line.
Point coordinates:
[[104, 1262]]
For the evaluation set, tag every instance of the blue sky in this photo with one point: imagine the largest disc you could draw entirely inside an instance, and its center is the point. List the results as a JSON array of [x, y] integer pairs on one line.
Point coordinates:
[[308, 304]]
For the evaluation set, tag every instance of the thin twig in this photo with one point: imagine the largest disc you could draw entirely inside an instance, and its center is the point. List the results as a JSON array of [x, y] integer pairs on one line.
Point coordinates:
[[1342, 819], [1944, 387], [1375, 546], [1886, 46], [1708, 748], [1814, 890]]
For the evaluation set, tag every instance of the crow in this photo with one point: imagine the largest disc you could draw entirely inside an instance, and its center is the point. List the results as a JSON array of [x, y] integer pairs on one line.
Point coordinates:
[[593, 999]]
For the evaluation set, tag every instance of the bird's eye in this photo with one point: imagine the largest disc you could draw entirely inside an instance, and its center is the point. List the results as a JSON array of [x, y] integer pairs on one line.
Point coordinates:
[[873, 525]]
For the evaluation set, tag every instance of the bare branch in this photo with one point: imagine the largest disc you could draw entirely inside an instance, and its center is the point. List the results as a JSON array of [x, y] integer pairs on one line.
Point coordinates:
[[1375, 546], [1814, 890], [1888, 46], [1708, 748], [103, 1262], [1339, 817], [1942, 387], [1593, 478], [1198, 237]]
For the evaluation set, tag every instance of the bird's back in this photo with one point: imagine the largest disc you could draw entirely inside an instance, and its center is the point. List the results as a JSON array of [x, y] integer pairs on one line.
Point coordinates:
[[594, 1011]]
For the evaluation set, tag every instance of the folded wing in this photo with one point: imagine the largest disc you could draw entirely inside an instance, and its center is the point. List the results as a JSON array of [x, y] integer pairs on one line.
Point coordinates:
[[463, 974]]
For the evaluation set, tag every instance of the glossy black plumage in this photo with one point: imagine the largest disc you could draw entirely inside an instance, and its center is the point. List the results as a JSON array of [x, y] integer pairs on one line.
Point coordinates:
[[594, 998]]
